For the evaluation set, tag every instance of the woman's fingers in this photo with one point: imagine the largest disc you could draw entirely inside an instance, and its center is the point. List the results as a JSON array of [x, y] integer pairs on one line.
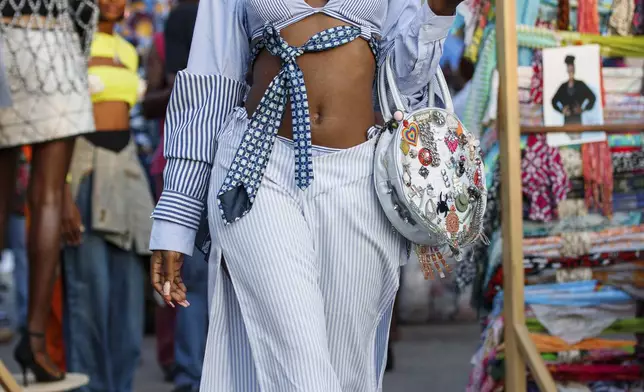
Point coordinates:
[[179, 292], [169, 269], [76, 233], [156, 272], [165, 274]]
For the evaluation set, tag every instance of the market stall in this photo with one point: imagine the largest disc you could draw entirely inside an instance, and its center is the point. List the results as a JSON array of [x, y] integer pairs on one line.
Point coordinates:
[[566, 296]]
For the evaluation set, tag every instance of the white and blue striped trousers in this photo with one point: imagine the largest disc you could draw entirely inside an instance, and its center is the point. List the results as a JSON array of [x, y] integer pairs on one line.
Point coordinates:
[[307, 300]]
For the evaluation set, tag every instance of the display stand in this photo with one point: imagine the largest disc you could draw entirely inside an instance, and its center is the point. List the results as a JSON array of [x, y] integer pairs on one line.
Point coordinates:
[[520, 350]]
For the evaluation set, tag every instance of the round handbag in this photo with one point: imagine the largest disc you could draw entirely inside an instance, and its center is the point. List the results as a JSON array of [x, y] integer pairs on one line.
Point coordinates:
[[428, 173]]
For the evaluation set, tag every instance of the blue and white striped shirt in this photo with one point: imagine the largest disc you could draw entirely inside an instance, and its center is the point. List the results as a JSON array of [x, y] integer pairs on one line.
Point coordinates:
[[214, 83]]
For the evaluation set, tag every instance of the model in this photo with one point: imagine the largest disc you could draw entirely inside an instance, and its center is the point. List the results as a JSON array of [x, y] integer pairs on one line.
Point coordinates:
[[304, 264], [43, 44], [106, 221], [573, 97]]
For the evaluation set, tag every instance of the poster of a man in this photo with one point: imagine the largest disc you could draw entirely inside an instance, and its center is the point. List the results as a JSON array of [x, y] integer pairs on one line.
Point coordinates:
[[572, 92], [573, 96]]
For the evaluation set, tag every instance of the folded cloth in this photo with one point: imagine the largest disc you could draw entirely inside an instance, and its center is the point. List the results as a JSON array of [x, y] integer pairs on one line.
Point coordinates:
[[554, 344], [574, 324]]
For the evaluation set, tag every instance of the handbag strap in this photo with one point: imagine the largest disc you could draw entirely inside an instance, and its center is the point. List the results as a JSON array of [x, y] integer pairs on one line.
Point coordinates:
[[387, 88]]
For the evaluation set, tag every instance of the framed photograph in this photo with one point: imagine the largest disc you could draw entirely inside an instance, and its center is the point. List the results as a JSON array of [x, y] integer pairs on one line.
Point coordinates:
[[572, 92]]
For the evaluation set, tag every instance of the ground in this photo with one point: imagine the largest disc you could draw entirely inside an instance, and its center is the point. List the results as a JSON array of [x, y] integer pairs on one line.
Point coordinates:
[[428, 359]]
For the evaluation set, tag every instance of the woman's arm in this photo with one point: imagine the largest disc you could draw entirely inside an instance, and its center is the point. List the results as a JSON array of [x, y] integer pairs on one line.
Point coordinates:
[[204, 94], [157, 94], [413, 34], [557, 99], [588, 97]]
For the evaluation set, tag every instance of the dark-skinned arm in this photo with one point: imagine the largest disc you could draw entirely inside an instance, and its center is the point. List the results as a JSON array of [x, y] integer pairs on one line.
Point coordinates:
[[158, 92]]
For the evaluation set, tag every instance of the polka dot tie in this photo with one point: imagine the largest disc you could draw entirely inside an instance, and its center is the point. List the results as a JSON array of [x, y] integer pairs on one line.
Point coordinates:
[[239, 190]]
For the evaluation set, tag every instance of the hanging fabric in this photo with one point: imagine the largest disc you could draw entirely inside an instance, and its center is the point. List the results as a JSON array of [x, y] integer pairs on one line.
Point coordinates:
[[598, 168], [621, 17], [563, 15], [638, 18]]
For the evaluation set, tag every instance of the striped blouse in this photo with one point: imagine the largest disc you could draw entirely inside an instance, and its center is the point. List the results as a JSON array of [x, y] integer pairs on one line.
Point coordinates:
[[214, 83]]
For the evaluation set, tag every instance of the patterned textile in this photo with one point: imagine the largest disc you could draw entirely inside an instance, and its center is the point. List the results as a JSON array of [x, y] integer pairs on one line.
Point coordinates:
[[50, 98], [587, 16], [536, 84], [544, 179], [598, 175], [621, 18], [481, 82], [242, 182], [625, 162], [638, 18]]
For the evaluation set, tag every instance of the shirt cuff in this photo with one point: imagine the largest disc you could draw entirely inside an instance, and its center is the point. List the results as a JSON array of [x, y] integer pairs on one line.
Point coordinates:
[[433, 27], [172, 236]]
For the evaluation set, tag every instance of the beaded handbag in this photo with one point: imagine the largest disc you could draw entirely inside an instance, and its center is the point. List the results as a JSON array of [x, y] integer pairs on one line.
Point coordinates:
[[429, 174]]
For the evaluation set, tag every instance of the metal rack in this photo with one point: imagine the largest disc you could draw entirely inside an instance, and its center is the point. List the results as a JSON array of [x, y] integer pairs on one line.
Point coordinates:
[[520, 350]]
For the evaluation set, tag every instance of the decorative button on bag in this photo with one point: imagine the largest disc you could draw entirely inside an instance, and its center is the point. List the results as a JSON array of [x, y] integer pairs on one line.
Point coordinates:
[[429, 175]]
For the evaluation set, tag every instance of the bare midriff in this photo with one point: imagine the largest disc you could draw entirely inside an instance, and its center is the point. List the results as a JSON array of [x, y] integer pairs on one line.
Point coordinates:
[[339, 84], [110, 115]]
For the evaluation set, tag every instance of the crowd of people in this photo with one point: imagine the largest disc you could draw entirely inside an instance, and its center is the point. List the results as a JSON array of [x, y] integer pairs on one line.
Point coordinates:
[[112, 180]]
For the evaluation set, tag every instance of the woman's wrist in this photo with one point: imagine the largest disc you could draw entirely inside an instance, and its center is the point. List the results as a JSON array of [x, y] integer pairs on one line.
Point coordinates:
[[444, 7]]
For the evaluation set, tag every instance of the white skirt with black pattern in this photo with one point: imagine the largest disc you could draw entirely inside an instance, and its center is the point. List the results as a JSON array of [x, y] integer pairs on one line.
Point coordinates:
[[45, 83]]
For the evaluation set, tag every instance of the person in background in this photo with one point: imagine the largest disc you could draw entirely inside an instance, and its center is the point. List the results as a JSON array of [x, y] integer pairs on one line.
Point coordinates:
[[17, 238], [466, 73], [16, 319], [573, 96], [169, 56], [192, 322], [154, 106], [106, 222]]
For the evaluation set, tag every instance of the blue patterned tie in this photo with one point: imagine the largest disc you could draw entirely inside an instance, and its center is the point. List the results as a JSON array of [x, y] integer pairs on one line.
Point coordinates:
[[238, 192]]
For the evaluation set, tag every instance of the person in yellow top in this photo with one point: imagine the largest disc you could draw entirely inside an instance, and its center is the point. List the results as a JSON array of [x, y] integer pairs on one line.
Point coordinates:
[[106, 222], [113, 80]]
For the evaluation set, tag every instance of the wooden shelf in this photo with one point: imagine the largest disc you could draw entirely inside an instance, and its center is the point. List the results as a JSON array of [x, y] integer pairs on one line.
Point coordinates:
[[519, 348], [608, 128]]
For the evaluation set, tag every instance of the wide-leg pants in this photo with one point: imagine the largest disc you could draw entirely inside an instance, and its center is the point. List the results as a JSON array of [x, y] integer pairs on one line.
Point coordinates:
[[305, 299]]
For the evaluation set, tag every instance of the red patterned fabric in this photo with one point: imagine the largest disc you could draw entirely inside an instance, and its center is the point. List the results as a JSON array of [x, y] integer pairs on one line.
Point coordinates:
[[536, 82], [545, 182], [588, 16], [563, 15], [598, 177]]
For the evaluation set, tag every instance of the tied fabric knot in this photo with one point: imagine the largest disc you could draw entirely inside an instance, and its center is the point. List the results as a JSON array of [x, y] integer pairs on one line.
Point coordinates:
[[241, 184]]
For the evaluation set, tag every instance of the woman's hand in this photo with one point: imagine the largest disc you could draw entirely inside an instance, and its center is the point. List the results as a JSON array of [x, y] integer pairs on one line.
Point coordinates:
[[165, 273], [72, 226]]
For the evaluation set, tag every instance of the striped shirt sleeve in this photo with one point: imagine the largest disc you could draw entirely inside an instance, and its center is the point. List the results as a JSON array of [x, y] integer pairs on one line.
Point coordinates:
[[414, 35], [203, 96]]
